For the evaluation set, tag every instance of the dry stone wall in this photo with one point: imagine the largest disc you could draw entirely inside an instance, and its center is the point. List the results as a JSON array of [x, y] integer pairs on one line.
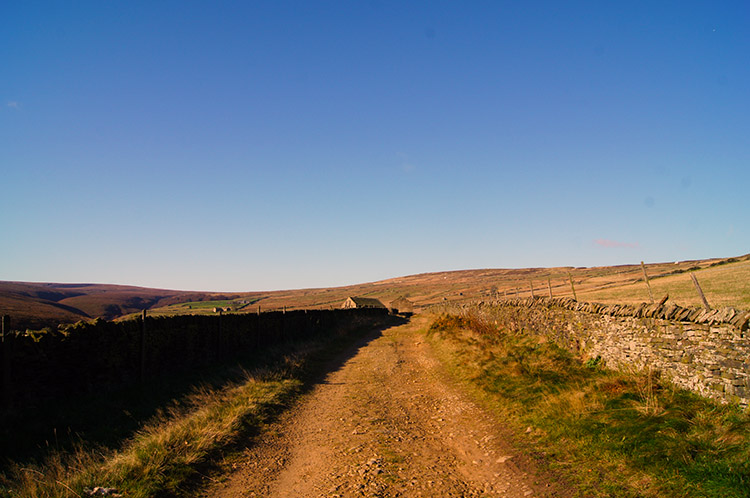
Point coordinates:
[[707, 352], [102, 357]]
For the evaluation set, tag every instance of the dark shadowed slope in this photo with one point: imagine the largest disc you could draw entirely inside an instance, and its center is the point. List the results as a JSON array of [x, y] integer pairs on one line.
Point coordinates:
[[36, 305]]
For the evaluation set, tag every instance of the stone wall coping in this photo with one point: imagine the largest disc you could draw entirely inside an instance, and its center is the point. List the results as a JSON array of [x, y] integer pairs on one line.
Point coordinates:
[[737, 318]]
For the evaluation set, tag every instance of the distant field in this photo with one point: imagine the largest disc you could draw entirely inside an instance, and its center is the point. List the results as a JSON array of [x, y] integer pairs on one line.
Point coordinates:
[[725, 285], [203, 307]]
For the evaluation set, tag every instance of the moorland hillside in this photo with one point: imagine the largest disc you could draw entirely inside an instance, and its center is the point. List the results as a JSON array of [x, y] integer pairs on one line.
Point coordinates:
[[36, 305]]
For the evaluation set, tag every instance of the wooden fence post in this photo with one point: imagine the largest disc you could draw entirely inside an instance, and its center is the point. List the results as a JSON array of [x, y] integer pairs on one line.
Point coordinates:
[[549, 288], [645, 277], [572, 287], [531, 286], [218, 336], [5, 359], [700, 292], [257, 331], [143, 347]]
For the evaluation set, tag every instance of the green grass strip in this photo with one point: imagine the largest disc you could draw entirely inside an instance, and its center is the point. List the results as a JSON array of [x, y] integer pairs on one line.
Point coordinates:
[[611, 433]]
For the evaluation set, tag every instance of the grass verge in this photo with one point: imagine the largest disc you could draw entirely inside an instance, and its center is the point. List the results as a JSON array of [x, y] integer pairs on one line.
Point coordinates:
[[169, 455], [612, 433], [166, 453]]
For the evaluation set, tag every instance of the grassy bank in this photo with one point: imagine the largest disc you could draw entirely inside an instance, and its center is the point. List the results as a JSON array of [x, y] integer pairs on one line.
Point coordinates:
[[167, 453], [726, 284], [621, 434], [189, 438]]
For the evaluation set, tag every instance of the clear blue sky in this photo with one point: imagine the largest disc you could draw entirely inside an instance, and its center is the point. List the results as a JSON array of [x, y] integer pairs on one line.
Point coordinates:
[[275, 145]]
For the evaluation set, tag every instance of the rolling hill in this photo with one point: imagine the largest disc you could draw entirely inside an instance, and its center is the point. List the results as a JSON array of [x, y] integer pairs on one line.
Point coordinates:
[[37, 305], [726, 281]]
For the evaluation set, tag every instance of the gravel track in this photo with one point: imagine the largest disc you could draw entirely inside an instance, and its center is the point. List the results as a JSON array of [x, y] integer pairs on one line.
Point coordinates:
[[387, 423]]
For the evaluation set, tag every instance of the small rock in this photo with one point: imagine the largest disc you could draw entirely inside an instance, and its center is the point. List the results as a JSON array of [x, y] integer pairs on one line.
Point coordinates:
[[99, 491], [504, 459]]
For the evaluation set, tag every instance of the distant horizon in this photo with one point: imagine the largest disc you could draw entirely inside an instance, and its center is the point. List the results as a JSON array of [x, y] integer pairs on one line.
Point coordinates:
[[81, 283]]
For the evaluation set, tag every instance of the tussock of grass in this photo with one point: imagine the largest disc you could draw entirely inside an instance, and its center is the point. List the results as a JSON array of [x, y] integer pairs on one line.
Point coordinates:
[[622, 434]]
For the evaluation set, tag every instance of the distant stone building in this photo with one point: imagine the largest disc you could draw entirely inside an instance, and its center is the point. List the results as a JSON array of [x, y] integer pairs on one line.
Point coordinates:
[[402, 305], [361, 302]]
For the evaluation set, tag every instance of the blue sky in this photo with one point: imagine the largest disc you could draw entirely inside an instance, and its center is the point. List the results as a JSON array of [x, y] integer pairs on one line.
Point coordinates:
[[275, 145]]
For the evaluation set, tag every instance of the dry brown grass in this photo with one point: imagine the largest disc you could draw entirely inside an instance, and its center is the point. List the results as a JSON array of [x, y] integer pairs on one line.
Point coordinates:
[[726, 285], [165, 452], [575, 403]]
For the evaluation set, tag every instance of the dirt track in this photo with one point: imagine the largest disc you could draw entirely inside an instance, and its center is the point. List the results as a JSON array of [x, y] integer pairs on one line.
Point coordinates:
[[387, 423]]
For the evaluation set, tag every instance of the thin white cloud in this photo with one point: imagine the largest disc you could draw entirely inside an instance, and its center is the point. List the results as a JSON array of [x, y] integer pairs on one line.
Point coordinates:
[[14, 104], [614, 243]]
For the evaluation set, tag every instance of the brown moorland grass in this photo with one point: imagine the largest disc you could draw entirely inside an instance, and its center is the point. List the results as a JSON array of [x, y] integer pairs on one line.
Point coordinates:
[[724, 285], [596, 283]]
